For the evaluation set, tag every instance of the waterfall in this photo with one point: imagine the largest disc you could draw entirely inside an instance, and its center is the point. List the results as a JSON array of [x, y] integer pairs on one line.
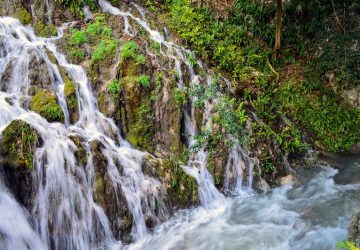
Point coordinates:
[[65, 214], [62, 200]]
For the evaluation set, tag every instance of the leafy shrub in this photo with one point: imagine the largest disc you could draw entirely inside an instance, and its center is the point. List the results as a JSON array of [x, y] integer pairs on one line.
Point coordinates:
[[180, 96], [114, 87], [78, 37], [77, 5], [140, 59], [76, 55], [106, 48], [129, 50], [144, 80], [347, 245]]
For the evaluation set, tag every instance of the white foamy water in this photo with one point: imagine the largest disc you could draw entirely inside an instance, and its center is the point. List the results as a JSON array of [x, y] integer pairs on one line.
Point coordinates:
[[314, 215], [64, 214]]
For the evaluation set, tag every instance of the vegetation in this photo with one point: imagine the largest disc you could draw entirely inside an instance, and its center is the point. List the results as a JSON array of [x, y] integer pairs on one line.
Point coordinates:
[[114, 88], [347, 245], [45, 103], [44, 30], [70, 94], [77, 5], [144, 80], [131, 50], [242, 45], [106, 48], [24, 16], [78, 37], [18, 143]]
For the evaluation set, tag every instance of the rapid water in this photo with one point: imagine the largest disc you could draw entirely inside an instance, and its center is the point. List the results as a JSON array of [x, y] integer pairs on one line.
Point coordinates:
[[65, 215], [313, 215]]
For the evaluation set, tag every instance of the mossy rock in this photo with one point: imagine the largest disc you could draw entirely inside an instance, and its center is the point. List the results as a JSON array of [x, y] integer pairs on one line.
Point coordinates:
[[24, 16], [181, 189], [80, 154], [51, 57], [45, 103], [71, 100], [43, 30], [17, 145]]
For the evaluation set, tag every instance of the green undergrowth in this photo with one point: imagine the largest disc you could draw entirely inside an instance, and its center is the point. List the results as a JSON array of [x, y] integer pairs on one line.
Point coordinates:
[[240, 46], [94, 41], [333, 124]]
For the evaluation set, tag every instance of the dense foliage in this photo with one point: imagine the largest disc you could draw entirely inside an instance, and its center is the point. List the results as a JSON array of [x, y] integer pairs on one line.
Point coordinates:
[[241, 45]]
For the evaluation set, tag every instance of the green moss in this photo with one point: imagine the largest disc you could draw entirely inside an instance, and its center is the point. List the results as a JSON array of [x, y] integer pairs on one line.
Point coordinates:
[[45, 103], [81, 155], [140, 59], [141, 129], [129, 50], [76, 55], [18, 143], [77, 37], [183, 189], [101, 102], [144, 80], [70, 93], [51, 57], [24, 16], [130, 69], [114, 88], [100, 190], [99, 28], [43, 30]]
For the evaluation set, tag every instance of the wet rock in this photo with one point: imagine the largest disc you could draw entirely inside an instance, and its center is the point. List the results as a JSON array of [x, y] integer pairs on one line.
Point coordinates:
[[18, 143], [180, 189], [80, 154], [6, 76], [45, 103], [39, 74], [354, 229], [110, 196], [288, 180], [71, 99]]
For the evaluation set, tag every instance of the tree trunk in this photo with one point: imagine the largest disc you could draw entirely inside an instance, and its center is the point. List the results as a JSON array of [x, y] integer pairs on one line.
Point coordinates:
[[278, 27]]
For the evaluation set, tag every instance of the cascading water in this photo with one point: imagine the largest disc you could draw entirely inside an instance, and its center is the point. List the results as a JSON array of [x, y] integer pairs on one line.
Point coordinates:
[[198, 162], [311, 216], [64, 209], [64, 214], [66, 203]]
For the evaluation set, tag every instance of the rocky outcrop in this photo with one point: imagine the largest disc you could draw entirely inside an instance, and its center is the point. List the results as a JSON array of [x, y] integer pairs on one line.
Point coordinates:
[[110, 196], [17, 147], [354, 229], [181, 190]]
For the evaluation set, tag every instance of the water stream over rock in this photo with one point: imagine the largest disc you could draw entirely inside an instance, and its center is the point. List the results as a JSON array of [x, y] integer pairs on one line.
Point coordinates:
[[64, 210]]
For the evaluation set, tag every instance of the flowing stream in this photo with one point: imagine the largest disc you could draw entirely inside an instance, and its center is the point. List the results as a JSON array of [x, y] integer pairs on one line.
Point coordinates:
[[313, 215]]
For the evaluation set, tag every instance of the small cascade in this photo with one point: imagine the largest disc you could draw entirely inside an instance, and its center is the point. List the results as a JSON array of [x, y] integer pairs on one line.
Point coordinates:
[[238, 167], [65, 213], [87, 13], [239, 161]]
